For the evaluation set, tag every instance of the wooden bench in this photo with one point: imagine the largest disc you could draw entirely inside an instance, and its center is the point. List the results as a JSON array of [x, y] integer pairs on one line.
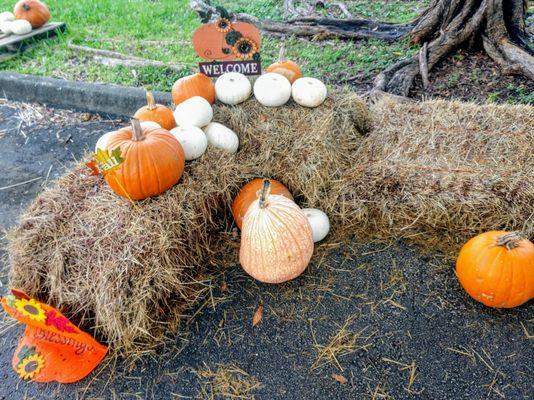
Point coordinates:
[[12, 45]]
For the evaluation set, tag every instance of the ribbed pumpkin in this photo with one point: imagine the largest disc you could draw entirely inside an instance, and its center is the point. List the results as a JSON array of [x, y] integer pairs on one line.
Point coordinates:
[[156, 112], [249, 193], [285, 67], [191, 86], [153, 161], [496, 268], [276, 240], [33, 11]]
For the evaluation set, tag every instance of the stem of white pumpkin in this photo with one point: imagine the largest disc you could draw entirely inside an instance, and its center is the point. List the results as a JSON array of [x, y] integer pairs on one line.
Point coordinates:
[[137, 130], [282, 53], [510, 240], [151, 103], [264, 192]]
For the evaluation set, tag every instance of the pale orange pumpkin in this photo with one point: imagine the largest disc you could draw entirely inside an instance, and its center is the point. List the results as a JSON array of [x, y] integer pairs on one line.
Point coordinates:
[[249, 193], [496, 268], [191, 86], [33, 11], [276, 240], [153, 161], [155, 112], [285, 67]]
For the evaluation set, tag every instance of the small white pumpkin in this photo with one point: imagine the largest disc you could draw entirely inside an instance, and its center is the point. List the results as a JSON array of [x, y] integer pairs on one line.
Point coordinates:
[[150, 124], [272, 90], [20, 27], [194, 111], [193, 141], [222, 137], [309, 92], [7, 16], [5, 27], [102, 141], [319, 222], [232, 88]]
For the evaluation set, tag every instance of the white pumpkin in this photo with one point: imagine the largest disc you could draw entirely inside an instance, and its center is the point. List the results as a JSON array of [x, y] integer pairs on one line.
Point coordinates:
[[232, 88], [20, 27], [193, 141], [272, 90], [150, 124], [194, 111], [7, 16], [5, 27], [319, 222], [222, 137], [102, 141], [309, 92]]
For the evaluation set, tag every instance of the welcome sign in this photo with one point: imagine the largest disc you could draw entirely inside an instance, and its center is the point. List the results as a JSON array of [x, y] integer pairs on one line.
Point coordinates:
[[215, 69]]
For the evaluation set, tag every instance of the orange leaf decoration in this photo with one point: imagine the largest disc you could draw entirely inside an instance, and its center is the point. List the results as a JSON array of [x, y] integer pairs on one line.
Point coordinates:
[[258, 315], [52, 348]]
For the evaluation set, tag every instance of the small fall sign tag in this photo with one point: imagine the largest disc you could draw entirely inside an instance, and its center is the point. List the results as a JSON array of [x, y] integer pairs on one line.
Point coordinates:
[[227, 45]]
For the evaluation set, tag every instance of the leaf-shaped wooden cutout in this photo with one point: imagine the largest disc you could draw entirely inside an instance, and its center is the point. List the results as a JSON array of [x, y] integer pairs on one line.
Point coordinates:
[[258, 314], [340, 378]]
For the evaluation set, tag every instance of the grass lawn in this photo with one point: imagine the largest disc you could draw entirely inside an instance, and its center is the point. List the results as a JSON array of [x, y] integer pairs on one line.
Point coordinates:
[[162, 30]]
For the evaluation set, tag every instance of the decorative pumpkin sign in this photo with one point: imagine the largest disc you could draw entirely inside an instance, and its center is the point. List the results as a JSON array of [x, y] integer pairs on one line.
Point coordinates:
[[153, 161], [250, 193], [285, 67], [155, 112], [276, 240], [191, 86], [496, 268], [33, 11]]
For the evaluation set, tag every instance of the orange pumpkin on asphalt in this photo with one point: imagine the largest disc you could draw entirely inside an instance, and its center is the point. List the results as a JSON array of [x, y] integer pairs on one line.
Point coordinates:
[[153, 161], [249, 193], [33, 11], [191, 86], [496, 268], [285, 67], [276, 240], [156, 113]]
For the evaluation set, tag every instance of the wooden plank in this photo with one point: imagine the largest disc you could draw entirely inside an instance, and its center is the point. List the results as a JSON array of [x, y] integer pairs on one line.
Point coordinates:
[[17, 41]]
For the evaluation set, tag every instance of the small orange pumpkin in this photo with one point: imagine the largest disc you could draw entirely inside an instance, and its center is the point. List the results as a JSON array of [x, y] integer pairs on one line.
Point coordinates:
[[193, 85], [496, 268], [285, 67], [153, 161], [33, 11], [249, 193], [156, 112], [276, 240]]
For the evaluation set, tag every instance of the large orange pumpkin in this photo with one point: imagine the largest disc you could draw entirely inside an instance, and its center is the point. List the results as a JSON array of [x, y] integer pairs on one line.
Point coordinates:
[[497, 269], [33, 11], [276, 240], [156, 113], [191, 86], [285, 67], [249, 193], [153, 161]]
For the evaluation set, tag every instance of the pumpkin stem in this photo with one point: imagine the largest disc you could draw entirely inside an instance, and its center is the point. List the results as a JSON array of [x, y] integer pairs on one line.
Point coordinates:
[[510, 240], [282, 53], [137, 130], [150, 98], [264, 192], [26, 7]]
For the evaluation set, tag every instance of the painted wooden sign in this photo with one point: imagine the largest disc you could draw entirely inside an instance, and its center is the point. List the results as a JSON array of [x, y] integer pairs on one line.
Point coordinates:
[[215, 68]]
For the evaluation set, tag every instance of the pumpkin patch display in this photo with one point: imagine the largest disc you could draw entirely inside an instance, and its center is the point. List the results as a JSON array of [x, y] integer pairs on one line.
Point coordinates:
[[250, 193], [153, 161], [193, 141], [496, 268], [191, 86], [155, 112], [285, 67], [232, 88], [309, 92], [319, 223], [33, 11], [195, 111], [272, 90], [276, 239], [221, 137]]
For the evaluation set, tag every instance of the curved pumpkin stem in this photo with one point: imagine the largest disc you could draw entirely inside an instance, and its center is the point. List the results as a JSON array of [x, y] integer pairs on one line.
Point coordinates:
[[26, 7], [264, 192], [510, 240], [137, 130], [151, 103], [282, 53]]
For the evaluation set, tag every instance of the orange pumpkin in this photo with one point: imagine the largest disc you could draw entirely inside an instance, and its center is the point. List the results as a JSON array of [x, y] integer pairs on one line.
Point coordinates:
[[33, 11], [497, 269], [249, 193], [285, 67], [153, 161], [276, 240], [156, 112], [191, 86]]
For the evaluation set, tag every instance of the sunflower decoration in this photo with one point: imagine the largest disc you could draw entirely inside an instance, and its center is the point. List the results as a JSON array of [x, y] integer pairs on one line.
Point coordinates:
[[232, 37], [31, 309], [30, 366], [245, 48], [223, 25]]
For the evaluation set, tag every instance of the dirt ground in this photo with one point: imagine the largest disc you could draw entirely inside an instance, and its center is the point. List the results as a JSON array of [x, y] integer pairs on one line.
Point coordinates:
[[365, 321]]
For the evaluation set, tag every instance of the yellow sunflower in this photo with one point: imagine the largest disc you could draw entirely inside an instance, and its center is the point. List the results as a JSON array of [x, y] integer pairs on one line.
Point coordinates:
[[30, 366], [31, 309], [223, 25], [245, 48]]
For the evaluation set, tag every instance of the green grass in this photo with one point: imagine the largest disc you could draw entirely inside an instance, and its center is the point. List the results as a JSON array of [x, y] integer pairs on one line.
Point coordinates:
[[162, 30]]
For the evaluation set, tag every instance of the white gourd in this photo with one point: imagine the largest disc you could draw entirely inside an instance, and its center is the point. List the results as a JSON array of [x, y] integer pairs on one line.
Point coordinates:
[[5, 27], [309, 92], [319, 222], [7, 16], [20, 27], [102, 141], [222, 137], [196, 111], [193, 141], [272, 90], [232, 88]]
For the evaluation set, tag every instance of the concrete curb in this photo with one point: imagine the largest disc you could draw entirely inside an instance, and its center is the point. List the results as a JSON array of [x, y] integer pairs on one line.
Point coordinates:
[[89, 97]]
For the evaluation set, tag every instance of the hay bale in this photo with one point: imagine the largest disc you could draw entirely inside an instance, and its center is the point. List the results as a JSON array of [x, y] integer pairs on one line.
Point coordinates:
[[129, 274], [438, 173]]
